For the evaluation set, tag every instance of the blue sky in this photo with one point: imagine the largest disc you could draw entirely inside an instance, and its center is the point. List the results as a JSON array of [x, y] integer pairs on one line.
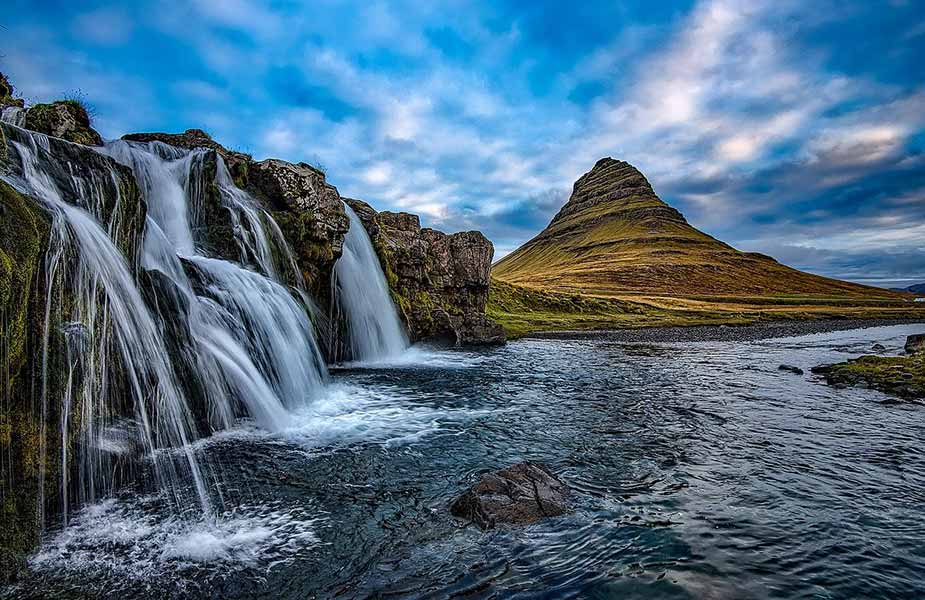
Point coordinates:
[[787, 127]]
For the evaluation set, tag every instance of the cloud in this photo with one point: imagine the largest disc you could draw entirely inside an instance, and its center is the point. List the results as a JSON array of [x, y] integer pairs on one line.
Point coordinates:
[[769, 123], [104, 26]]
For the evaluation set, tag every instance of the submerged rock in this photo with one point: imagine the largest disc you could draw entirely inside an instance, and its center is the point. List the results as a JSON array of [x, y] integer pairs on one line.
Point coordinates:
[[439, 281], [915, 344], [791, 369], [520, 494], [65, 119], [878, 347]]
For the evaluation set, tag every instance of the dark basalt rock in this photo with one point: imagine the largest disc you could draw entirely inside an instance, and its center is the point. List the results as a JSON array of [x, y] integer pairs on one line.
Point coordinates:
[[65, 119], [439, 281], [791, 369], [520, 494], [915, 343], [309, 211], [878, 347]]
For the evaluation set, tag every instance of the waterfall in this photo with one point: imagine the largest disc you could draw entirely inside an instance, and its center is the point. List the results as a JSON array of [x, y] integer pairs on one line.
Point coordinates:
[[13, 115], [151, 361], [108, 322], [252, 341], [361, 291]]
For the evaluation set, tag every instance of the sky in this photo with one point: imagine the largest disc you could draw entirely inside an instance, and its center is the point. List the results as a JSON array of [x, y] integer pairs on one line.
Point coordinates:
[[792, 128]]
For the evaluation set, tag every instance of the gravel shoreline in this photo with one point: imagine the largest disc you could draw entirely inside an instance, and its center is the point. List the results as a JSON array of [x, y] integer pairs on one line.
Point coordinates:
[[724, 333]]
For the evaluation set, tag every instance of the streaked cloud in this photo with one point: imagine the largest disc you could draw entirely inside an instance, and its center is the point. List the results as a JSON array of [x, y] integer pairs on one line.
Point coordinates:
[[785, 127]]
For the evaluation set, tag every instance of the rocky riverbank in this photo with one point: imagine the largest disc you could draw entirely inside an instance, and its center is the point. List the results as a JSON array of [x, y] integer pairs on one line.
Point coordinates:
[[726, 333]]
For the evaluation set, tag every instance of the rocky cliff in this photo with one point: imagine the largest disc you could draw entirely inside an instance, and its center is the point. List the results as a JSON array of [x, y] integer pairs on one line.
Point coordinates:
[[439, 281], [308, 210]]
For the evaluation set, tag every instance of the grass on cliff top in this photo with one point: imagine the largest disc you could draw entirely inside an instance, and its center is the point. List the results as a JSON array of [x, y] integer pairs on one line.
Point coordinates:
[[524, 310], [903, 376]]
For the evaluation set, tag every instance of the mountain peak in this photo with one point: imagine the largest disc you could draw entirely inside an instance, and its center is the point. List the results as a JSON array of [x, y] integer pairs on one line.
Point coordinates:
[[616, 186], [615, 235]]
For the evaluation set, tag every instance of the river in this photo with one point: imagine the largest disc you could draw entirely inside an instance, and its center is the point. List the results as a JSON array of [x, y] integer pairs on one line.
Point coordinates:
[[700, 470]]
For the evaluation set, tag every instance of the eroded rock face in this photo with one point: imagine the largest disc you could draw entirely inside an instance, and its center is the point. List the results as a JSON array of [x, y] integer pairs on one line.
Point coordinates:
[[309, 211], [439, 281], [520, 494], [915, 344], [65, 119]]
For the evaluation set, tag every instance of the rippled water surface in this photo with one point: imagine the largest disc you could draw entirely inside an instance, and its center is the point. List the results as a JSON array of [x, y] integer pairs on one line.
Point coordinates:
[[700, 470]]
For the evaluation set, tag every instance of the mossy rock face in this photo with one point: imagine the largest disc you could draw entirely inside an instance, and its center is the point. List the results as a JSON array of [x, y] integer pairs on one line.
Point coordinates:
[[6, 88], [106, 189], [23, 238], [6, 94], [65, 119]]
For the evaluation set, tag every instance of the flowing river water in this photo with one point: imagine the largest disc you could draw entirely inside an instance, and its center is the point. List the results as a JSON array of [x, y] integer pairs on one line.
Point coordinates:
[[699, 469]]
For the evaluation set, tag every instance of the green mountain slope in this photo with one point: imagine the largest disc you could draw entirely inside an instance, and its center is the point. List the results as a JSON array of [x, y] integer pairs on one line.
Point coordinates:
[[615, 236]]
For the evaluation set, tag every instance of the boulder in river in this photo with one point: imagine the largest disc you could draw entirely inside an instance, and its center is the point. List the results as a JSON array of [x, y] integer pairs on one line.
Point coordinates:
[[790, 368], [520, 494], [915, 343]]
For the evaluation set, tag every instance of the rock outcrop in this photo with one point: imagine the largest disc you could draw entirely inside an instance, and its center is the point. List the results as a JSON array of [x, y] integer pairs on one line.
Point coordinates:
[[6, 94], [439, 281], [902, 376], [65, 119], [520, 494]]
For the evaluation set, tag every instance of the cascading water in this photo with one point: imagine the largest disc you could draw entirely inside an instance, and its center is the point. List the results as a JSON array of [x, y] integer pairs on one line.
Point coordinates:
[[194, 343], [374, 330], [13, 115], [251, 340], [107, 315]]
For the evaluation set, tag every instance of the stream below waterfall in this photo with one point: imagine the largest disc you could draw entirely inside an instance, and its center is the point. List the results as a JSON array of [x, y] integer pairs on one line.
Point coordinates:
[[699, 470]]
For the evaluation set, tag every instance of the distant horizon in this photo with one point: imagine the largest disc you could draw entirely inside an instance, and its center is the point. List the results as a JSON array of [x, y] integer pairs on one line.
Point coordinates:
[[792, 130]]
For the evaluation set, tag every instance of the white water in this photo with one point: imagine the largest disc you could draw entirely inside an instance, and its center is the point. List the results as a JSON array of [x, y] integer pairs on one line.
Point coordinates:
[[238, 335], [252, 340], [205, 341], [13, 115], [374, 330]]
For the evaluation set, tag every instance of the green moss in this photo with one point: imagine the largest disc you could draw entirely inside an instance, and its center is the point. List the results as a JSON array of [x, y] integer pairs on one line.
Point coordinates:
[[902, 376], [312, 250], [23, 232], [48, 119]]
